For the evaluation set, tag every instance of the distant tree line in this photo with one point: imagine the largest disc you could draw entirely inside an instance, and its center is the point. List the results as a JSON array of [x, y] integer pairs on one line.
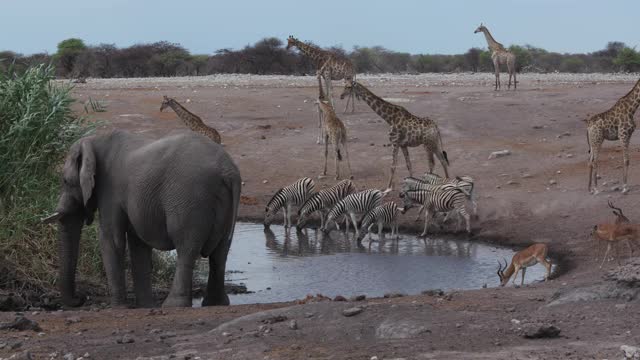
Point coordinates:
[[75, 59]]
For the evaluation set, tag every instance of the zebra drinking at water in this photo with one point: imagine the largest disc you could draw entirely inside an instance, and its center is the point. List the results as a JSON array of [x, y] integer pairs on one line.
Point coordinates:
[[385, 214], [354, 205], [292, 195], [323, 201], [439, 200]]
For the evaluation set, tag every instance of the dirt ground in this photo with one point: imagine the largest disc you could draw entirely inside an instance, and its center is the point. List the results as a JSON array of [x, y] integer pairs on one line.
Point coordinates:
[[538, 193]]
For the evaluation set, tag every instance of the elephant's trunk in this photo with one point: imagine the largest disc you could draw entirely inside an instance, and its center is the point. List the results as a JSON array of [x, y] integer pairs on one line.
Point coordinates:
[[70, 229]]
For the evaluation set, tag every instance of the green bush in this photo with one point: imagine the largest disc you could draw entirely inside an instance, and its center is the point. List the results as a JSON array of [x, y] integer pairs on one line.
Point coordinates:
[[628, 59], [36, 128]]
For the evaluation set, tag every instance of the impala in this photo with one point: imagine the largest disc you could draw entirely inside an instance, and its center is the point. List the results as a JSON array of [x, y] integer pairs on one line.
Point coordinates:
[[536, 253], [621, 230]]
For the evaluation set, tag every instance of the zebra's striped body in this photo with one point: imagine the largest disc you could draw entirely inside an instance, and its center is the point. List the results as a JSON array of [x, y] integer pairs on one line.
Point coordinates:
[[354, 205], [292, 195], [443, 200], [466, 183], [382, 215], [323, 201]]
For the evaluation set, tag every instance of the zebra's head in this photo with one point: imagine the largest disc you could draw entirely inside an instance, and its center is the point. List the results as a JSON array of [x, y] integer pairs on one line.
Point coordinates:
[[407, 203], [303, 219], [269, 214]]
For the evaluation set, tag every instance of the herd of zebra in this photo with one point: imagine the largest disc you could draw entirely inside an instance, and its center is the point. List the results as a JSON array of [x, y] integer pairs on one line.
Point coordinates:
[[364, 209]]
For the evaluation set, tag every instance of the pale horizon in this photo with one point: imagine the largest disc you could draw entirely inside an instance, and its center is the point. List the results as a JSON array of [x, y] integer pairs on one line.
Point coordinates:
[[416, 27]]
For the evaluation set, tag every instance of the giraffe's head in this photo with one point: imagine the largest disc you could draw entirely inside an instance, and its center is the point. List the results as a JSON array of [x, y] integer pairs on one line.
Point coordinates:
[[291, 41], [349, 88], [480, 28], [165, 102]]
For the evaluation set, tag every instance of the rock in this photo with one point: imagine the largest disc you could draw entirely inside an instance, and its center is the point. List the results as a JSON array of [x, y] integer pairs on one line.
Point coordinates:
[[358, 298], [392, 295], [339, 298], [274, 319], [72, 320], [21, 323], [515, 321], [25, 355], [526, 176], [458, 325], [309, 315], [569, 156], [296, 347], [167, 335], [373, 358], [511, 309], [563, 135], [264, 181], [512, 182], [537, 331], [500, 153], [155, 331], [226, 334], [552, 182], [630, 352], [86, 355], [537, 127], [293, 325], [352, 311], [126, 339], [69, 356], [433, 292]]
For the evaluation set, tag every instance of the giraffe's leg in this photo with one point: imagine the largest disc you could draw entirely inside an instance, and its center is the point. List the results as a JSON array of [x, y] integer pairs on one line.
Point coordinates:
[[347, 106], [346, 153], [625, 159], [320, 126], [593, 163], [407, 160], [394, 161], [443, 162], [326, 153], [496, 66], [430, 159], [336, 155]]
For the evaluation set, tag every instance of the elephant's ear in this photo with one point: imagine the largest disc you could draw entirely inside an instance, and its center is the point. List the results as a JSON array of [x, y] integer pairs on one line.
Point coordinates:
[[87, 171]]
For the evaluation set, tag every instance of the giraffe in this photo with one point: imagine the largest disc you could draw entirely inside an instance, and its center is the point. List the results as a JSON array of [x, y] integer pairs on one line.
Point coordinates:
[[334, 132], [499, 55], [407, 130], [191, 120], [614, 124], [328, 65]]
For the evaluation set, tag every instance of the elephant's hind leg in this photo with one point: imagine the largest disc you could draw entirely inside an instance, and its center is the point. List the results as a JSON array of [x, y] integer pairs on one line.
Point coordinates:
[[140, 254], [216, 294]]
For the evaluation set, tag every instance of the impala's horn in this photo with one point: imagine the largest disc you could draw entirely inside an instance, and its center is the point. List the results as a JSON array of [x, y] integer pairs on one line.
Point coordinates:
[[51, 218], [499, 269]]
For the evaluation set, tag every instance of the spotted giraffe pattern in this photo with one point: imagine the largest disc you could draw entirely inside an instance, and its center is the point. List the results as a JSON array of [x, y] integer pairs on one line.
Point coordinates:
[[334, 133], [329, 66], [499, 56], [617, 123], [191, 120], [406, 130]]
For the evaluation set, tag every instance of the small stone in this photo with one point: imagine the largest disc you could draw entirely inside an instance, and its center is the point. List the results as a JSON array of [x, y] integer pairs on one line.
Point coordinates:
[[167, 335], [72, 320], [126, 339], [511, 309], [339, 298], [512, 182], [630, 352], [373, 358], [21, 323], [264, 181], [155, 331], [515, 321], [309, 315], [262, 137], [458, 325], [226, 334], [352, 311], [526, 176], [621, 306], [532, 331], [500, 153], [200, 322], [552, 182], [293, 325], [69, 356], [25, 355], [392, 295], [296, 347], [569, 156], [558, 172], [86, 355], [358, 298]]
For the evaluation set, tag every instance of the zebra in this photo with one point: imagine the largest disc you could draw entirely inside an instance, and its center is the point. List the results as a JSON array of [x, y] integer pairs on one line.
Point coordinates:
[[412, 184], [385, 214], [294, 194], [355, 204], [464, 182], [323, 201], [439, 200]]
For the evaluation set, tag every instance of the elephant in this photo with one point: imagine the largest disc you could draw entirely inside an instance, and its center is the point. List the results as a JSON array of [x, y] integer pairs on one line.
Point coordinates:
[[179, 192]]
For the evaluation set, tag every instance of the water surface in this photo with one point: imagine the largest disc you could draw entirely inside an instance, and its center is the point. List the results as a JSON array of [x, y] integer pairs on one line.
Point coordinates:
[[279, 265]]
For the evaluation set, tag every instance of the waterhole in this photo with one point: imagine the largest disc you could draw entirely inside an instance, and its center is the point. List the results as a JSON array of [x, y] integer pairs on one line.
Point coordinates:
[[278, 265]]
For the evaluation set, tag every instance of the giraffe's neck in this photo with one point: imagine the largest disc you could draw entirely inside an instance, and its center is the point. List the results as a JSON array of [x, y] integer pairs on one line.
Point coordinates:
[[191, 120], [493, 44], [316, 54], [633, 98], [385, 110]]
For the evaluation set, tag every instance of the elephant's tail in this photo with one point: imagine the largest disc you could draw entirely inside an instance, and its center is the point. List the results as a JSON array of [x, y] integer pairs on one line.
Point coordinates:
[[235, 185]]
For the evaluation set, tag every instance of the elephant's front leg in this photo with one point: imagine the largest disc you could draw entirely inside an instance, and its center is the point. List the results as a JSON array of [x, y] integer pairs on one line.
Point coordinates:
[[140, 254], [216, 294], [112, 246], [180, 294]]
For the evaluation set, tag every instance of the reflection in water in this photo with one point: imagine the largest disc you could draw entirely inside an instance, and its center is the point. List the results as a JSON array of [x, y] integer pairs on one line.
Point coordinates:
[[292, 264]]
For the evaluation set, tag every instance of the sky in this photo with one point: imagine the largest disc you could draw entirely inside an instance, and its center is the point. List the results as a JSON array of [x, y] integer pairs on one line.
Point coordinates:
[[414, 26]]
